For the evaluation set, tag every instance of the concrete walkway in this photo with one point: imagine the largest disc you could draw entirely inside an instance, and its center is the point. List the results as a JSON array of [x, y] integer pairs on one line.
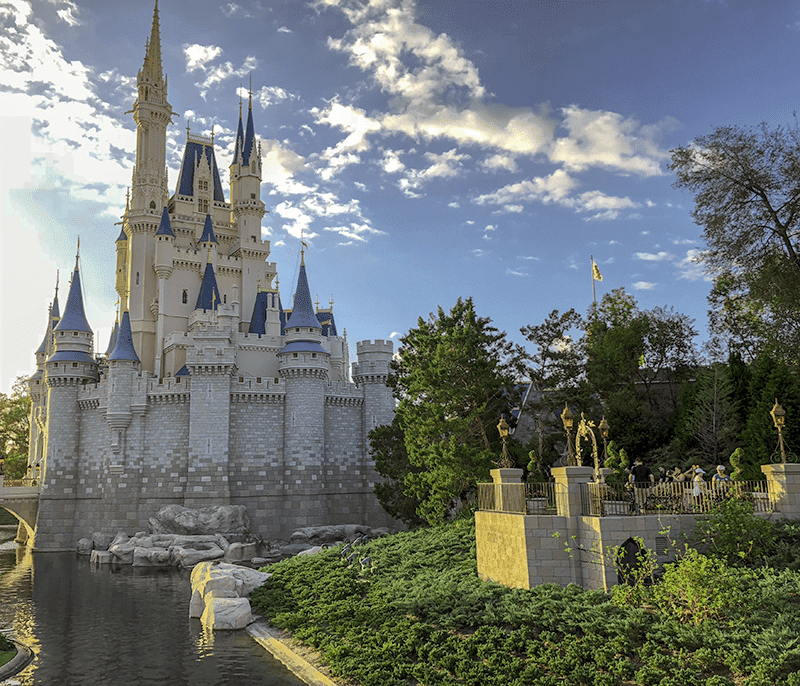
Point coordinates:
[[261, 632]]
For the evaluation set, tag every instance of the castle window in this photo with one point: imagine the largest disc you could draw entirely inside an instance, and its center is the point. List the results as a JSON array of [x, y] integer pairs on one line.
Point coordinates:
[[203, 206], [294, 355], [185, 297], [137, 278], [313, 355], [252, 196], [152, 204], [225, 299], [74, 364], [74, 333]]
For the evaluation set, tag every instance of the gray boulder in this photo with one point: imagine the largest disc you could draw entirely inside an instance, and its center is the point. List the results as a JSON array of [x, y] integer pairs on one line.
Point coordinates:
[[85, 546], [221, 519], [102, 540]]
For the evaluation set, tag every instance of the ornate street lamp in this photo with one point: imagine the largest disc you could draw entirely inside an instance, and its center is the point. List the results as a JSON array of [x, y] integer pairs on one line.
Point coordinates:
[[779, 420], [502, 427], [567, 418]]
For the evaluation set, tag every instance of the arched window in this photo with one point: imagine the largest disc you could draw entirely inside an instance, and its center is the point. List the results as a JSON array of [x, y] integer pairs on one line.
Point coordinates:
[[152, 204], [185, 297]]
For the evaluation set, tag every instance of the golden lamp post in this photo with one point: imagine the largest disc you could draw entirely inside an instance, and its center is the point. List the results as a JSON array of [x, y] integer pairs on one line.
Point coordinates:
[[502, 427], [779, 420], [567, 419]]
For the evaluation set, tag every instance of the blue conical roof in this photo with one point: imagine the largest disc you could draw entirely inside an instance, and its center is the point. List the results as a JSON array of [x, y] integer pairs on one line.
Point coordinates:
[[303, 310], [258, 320], [165, 227], [239, 137], [208, 231], [208, 297], [122, 236], [55, 311], [74, 318], [250, 134], [112, 340], [123, 349]]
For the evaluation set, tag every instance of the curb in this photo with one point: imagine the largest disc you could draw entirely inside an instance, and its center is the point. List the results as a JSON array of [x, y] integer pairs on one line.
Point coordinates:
[[296, 664], [24, 657]]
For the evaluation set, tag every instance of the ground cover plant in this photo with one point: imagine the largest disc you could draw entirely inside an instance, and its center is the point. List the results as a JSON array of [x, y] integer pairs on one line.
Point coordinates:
[[7, 650], [416, 613]]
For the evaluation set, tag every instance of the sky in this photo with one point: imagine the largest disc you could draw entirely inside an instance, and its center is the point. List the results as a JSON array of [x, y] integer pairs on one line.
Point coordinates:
[[428, 150]]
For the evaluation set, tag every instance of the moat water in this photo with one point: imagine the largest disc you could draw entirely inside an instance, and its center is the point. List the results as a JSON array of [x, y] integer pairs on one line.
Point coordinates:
[[103, 625]]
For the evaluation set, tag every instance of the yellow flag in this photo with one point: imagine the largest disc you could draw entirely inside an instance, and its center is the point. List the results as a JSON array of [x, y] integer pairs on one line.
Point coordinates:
[[596, 275]]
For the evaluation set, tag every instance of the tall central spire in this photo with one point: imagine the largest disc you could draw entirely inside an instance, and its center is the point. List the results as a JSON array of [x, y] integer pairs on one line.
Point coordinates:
[[151, 70]]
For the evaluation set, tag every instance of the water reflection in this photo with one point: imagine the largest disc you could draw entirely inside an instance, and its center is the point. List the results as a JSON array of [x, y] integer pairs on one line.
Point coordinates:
[[103, 625]]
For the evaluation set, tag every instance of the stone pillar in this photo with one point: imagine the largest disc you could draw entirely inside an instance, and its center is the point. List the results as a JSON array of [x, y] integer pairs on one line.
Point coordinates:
[[783, 481], [509, 491], [568, 501]]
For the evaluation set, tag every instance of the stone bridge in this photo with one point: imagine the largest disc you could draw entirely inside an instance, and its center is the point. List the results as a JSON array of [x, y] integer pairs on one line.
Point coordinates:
[[21, 498]]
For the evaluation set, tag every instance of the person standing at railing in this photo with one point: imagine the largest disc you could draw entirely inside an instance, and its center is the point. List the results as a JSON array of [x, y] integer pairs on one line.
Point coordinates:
[[641, 477], [721, 481]]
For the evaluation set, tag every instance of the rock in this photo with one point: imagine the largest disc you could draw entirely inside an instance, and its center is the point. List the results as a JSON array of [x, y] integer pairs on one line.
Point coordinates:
[[222, 519], [327, 535], [151, 557], [100, 557], [310, 551], [227, 613], [189, 557], [120, 537], [293, 549], [85, 546], [212, 581], [102, 540], [123, 552], [259, 561]]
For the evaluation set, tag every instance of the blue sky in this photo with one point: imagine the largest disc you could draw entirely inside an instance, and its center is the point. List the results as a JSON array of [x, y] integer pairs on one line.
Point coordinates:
[[429, 150]]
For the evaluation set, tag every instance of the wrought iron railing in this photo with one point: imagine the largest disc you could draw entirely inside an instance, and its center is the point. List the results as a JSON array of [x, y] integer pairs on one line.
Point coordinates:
[[603, 500], [5, 482], [528, 498]]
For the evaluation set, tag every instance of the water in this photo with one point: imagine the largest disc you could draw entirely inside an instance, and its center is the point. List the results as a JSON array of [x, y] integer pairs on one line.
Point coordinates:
[[103, 625]]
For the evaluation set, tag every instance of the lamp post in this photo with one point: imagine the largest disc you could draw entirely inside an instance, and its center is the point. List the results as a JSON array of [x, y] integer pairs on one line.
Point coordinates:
[[779, 420], [502, 427], [604, 431], [567, 418]]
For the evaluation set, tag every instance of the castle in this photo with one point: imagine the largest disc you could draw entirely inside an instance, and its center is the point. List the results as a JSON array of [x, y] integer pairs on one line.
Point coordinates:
[[210, 392]]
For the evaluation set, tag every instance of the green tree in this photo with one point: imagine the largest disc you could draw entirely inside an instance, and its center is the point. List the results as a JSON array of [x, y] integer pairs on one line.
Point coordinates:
[[15, 410], [556, 372], [637, 361], [712, 419], [454, 375], [746, 183]]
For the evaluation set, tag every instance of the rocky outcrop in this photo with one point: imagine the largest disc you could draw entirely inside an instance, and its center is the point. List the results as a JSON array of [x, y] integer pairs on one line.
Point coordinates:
[[219, 594], [230, 520]]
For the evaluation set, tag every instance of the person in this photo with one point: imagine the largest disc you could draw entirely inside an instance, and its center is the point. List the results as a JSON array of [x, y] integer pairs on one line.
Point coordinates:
[[698, 481], [721, 480], [641, 477]]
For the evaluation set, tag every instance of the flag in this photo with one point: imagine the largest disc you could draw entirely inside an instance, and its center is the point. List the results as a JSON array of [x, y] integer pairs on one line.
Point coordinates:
[[596, 275]]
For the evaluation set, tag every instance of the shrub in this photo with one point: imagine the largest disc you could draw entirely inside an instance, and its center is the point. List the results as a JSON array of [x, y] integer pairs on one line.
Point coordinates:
[[731, 532]]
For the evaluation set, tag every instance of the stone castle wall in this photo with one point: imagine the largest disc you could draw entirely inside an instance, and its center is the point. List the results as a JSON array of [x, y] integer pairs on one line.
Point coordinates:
[[288, 471]]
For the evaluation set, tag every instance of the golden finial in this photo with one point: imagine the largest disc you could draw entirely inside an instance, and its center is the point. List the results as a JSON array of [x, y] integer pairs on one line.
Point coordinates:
[[331, 302], [317, 303], [187, 128], [78, 253], [56, 298]]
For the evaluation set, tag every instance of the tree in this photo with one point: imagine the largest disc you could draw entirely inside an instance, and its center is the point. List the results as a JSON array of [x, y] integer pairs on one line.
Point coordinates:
[[712, 420], [637, 361], [453, 376], [746, 183], [556, 370], [15, 410]]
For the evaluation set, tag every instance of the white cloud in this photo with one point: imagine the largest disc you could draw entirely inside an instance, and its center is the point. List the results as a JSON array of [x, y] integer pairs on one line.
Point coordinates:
[[455, 205], [284, 29], [355, 232], [280, 165], [606, 139], [67, 13], [528, 257], [691, 266], [547, 189], [197, 56], [499, 162], [477, 252], [391, 162], [514, 272], [654, 257], [683, 241], [444, 165], [643, 286], [271, 95]]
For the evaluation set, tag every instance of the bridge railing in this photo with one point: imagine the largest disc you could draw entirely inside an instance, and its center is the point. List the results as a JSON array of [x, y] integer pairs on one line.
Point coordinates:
[[5, 482]]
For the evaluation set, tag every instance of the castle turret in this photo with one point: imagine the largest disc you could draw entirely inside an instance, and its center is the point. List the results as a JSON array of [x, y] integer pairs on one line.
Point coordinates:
[[164, 255], [371, 373], [303, 364], [66, 370]]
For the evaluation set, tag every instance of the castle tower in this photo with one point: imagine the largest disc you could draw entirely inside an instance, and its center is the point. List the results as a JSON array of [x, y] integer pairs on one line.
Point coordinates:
[[371, 373], [303, 364], [68, 368], [152, 114]]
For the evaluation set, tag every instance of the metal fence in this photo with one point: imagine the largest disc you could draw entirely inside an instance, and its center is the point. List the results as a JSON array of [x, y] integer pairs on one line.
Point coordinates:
[[603, 500], [528, 498], [17, 483]]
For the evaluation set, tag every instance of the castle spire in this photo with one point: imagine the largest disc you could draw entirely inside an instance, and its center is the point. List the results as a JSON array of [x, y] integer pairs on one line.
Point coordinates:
[[74, 318], [303, 308], [208, 297], [250, 134], [239, 144], [151, 70], [123, 346], [55, 311]]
